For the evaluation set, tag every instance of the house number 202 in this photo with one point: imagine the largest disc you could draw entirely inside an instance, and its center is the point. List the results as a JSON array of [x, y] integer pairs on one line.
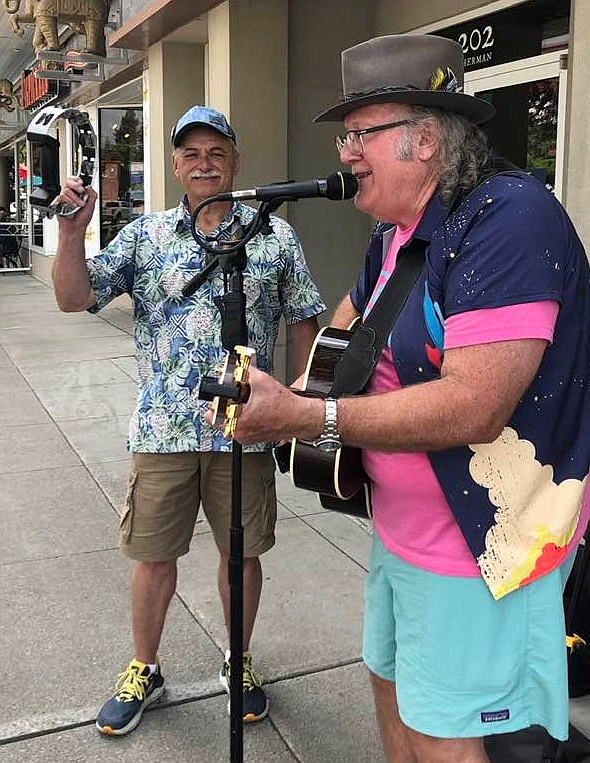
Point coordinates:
[[477, 39]]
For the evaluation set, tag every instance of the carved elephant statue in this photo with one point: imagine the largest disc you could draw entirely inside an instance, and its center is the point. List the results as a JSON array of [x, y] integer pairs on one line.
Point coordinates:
[[7, 96], [15, 18], [89, 16]]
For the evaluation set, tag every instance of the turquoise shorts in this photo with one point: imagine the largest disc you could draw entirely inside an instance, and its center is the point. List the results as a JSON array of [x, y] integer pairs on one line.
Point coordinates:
[[465, 665]]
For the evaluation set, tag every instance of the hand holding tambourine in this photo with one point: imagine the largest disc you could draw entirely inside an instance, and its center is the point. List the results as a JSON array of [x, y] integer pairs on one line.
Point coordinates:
[[47, 198]]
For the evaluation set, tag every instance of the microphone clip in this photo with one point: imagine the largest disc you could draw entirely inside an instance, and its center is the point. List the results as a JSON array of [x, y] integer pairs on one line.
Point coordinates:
[[230, 254]]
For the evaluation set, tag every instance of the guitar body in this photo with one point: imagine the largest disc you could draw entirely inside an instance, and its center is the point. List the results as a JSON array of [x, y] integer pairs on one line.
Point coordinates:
[[358, 506], [339, 476]]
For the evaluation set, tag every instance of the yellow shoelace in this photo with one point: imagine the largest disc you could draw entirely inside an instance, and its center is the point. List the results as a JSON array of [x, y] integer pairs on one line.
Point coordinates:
[[131, 685], [249, 677]]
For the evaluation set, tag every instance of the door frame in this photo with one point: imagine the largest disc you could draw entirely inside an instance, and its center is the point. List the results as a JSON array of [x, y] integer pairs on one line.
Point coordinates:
[[545, 66]]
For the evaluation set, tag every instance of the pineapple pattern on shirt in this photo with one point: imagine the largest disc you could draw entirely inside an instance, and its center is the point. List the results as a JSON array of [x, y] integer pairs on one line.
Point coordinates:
[[178, 339]]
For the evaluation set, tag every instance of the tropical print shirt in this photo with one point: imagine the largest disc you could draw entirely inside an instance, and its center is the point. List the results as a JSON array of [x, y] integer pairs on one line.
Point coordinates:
[[520, 500], [178, 339]]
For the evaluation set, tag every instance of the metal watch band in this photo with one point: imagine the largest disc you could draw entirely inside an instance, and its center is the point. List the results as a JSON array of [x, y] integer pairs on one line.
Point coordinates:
[[331, 419], [330, 437]]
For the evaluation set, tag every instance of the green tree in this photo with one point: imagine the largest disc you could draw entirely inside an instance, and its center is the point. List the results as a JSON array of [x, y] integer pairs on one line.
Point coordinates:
[[542, 108]]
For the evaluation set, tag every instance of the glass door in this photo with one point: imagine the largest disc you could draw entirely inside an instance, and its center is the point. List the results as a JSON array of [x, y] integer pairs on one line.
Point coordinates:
[[121, 169], [529, 125], [14, 250]]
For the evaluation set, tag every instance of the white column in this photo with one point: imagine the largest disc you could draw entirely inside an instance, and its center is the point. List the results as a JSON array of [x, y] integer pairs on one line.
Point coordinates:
[[174, 83]]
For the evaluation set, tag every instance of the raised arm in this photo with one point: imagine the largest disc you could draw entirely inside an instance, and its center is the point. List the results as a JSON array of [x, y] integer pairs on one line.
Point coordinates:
[[71, 283]]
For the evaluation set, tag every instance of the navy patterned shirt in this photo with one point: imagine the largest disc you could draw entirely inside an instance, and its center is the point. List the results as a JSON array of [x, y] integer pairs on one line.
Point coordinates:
[[519, 501]]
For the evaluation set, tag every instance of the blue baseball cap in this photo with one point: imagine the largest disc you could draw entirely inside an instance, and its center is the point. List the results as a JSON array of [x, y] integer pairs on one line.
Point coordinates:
[[201, 115]]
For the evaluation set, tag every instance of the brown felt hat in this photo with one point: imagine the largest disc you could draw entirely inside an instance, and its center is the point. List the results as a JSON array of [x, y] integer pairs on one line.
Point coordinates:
[[418, 69]]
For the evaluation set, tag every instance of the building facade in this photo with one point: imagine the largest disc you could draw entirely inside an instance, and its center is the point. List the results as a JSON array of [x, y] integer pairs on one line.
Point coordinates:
[[271, 66]]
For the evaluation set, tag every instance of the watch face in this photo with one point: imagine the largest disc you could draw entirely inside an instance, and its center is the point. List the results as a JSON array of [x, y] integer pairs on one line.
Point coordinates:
[[329, 446]]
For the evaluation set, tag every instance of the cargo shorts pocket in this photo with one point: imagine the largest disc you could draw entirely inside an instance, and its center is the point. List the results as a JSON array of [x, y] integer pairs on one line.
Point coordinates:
[[126, 521]]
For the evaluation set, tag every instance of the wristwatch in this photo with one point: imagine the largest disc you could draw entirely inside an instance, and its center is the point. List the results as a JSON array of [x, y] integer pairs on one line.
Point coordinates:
[[329, 440]]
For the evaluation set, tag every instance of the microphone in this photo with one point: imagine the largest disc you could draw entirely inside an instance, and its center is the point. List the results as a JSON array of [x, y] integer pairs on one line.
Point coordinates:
[[337, 187]]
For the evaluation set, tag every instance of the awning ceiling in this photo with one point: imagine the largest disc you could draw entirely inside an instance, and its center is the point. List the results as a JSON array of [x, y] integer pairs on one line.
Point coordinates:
[[157, 20]]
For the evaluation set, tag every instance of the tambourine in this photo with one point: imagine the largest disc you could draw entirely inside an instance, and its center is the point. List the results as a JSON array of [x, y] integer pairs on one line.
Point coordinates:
[[42, 131]]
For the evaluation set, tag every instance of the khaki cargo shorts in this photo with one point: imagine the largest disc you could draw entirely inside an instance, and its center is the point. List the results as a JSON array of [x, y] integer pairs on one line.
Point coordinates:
[[165, 492]]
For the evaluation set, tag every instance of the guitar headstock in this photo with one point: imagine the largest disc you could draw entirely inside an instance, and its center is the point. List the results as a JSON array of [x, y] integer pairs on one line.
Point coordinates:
[[234, 389]]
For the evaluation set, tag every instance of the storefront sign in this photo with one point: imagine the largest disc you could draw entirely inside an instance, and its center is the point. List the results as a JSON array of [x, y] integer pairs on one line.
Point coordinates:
[[478, 45], [36, 92], [509, 35], [488, 42]]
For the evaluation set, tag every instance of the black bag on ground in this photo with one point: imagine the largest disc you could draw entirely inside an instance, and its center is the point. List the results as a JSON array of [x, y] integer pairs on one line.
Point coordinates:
[[533, 745], [577, 607]]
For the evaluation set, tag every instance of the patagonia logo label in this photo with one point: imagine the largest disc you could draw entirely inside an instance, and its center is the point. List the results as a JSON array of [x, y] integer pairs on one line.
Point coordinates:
[[496, 715]]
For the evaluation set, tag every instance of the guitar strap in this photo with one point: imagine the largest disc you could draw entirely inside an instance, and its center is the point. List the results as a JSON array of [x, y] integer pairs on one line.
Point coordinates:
[[354, 370]]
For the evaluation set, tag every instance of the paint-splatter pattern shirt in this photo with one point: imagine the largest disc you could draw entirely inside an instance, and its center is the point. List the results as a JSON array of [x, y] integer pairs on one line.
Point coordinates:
[[519, 500]]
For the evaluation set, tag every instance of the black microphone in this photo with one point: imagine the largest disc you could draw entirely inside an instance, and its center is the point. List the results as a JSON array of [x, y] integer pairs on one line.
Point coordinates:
[[337, 187]]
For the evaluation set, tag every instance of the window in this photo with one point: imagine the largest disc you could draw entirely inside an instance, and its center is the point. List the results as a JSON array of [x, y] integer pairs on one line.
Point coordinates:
[[20, 210], [121, 169], [36, 180], [8, 170]]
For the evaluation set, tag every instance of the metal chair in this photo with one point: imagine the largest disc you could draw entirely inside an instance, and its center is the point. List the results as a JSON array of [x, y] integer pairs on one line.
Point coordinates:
[[10, 244]]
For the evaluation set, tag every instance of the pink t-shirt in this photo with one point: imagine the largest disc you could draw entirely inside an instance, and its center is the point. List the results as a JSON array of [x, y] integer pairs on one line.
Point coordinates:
[[410, 512]]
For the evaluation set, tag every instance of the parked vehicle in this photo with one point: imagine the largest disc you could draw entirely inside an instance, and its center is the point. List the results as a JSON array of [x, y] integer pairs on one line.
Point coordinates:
[[118, 212]]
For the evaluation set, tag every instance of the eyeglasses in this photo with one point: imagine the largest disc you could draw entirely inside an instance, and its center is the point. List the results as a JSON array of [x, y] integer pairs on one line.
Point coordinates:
[[353, 139]]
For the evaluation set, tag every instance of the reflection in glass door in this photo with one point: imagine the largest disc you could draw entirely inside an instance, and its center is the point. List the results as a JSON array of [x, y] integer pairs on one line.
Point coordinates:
[[528, 126], [121, 169]]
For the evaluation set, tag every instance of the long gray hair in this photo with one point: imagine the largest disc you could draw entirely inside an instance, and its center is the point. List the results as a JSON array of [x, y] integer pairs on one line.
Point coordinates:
[[463, 153]]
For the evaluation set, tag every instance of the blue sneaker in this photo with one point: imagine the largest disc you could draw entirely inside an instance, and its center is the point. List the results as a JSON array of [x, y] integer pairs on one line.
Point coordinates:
[[254, 702], [136, 689]]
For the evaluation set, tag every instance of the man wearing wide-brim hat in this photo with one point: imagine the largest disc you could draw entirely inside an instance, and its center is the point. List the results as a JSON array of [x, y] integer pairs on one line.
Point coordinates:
[[473, 424]]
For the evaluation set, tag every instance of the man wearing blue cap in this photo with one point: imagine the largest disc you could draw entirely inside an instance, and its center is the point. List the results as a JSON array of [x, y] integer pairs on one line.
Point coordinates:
[[178, 461]]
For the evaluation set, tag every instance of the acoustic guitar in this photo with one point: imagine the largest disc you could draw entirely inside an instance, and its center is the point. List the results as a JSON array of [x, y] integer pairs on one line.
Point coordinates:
[[337, 476]]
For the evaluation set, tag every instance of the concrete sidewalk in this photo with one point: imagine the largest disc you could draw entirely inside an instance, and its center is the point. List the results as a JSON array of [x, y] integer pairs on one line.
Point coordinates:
[[68, 386]]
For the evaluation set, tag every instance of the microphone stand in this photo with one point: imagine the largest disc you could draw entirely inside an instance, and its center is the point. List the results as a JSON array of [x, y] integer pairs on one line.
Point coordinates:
[[231, 257]]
